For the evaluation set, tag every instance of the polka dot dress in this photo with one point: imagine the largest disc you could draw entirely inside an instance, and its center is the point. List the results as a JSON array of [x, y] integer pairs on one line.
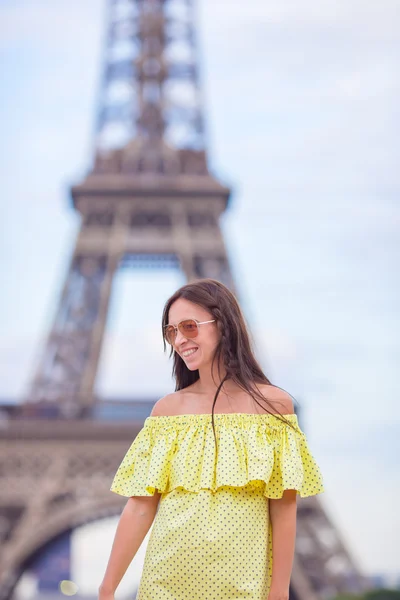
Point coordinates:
[[212, 537]]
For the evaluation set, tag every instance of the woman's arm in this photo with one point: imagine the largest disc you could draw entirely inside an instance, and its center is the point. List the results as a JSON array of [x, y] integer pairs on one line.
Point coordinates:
[[283, 521], [133, 525]]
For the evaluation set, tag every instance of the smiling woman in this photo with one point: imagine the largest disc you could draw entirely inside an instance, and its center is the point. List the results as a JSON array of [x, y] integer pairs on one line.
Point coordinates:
[[180, 336], [221, 487]]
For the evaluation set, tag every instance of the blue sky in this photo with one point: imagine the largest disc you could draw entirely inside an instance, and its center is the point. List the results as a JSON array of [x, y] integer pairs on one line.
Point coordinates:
[[302, 107]]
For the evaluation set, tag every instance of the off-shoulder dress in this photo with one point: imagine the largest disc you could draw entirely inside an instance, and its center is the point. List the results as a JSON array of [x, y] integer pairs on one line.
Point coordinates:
[[212, 536]]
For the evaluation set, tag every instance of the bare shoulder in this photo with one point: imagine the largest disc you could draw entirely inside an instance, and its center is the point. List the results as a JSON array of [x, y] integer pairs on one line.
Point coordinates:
[[166, 406], [279, 398]]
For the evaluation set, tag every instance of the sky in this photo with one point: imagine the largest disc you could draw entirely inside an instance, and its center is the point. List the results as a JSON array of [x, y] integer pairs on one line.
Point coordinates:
[[302, 109]]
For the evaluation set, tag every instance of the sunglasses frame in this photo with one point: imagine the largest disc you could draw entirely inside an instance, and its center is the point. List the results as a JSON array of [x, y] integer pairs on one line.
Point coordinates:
[[176, 328]]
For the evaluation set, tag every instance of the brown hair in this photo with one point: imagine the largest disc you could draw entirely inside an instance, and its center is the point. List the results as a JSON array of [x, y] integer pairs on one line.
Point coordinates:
[[234, 349]]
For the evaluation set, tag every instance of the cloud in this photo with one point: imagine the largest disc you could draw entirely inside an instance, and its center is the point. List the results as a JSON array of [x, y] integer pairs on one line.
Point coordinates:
[[17, 355], [46, 25], [373, 19], [312, 91], [133, 365], [359, 495]]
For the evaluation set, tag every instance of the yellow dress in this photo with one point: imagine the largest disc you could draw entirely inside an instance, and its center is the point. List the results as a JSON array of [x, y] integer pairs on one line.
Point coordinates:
[[212, 536]]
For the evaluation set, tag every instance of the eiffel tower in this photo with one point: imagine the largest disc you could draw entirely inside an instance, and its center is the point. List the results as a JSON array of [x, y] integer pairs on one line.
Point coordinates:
[[148, 200]]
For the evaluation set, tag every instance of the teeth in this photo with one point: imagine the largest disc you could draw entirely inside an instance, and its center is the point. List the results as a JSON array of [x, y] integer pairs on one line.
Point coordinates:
[[189, 352]]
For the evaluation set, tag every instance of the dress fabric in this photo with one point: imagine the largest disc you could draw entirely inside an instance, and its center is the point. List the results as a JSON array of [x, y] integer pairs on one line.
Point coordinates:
[[212, 536]]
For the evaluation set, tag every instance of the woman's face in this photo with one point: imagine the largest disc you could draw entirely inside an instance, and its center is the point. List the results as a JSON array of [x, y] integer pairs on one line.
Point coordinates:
[[204, 343]]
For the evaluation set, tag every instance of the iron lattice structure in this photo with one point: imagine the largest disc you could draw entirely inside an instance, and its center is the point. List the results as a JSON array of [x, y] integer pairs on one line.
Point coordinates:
[[148, 200], [150, 88]]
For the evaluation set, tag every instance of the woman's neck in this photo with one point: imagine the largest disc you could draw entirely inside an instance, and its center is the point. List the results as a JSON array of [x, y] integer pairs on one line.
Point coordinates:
[[208, 385]]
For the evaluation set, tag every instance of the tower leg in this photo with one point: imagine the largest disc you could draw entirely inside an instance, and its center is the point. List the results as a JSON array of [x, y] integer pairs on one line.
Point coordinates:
[[66, 374]]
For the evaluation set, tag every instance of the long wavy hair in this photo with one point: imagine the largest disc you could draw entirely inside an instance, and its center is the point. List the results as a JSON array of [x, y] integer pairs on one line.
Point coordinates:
[[234, 349]]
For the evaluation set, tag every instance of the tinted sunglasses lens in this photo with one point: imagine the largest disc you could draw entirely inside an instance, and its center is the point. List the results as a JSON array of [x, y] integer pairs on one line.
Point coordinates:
[[170, 334], [188, 328]]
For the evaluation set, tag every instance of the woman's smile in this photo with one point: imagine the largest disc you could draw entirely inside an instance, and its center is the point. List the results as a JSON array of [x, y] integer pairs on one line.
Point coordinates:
[[189, 352]]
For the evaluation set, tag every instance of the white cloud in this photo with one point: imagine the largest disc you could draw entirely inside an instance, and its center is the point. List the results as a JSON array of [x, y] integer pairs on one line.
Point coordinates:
[[51, 26], [359, 493], [129, 363], [372, 18], [17, 356]]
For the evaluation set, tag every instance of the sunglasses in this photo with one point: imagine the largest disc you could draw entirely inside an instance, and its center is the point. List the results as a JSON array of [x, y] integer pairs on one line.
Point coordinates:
[[189, 328]]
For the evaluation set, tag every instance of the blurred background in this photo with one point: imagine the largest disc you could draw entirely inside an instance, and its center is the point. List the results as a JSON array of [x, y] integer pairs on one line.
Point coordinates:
[[301, 104]]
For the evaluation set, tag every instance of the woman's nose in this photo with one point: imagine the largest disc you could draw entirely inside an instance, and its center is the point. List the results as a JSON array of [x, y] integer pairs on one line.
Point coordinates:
[[179, 338]]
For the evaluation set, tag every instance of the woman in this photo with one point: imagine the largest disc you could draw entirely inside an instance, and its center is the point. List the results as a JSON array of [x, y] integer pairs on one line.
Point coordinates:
[[220, 485]]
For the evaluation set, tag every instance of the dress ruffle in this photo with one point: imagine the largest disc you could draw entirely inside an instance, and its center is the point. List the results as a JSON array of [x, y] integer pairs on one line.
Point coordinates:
[[179, 451]]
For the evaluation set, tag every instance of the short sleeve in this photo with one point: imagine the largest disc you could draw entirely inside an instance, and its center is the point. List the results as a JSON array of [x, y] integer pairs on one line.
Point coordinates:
[[145, 466], [294, 466]]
